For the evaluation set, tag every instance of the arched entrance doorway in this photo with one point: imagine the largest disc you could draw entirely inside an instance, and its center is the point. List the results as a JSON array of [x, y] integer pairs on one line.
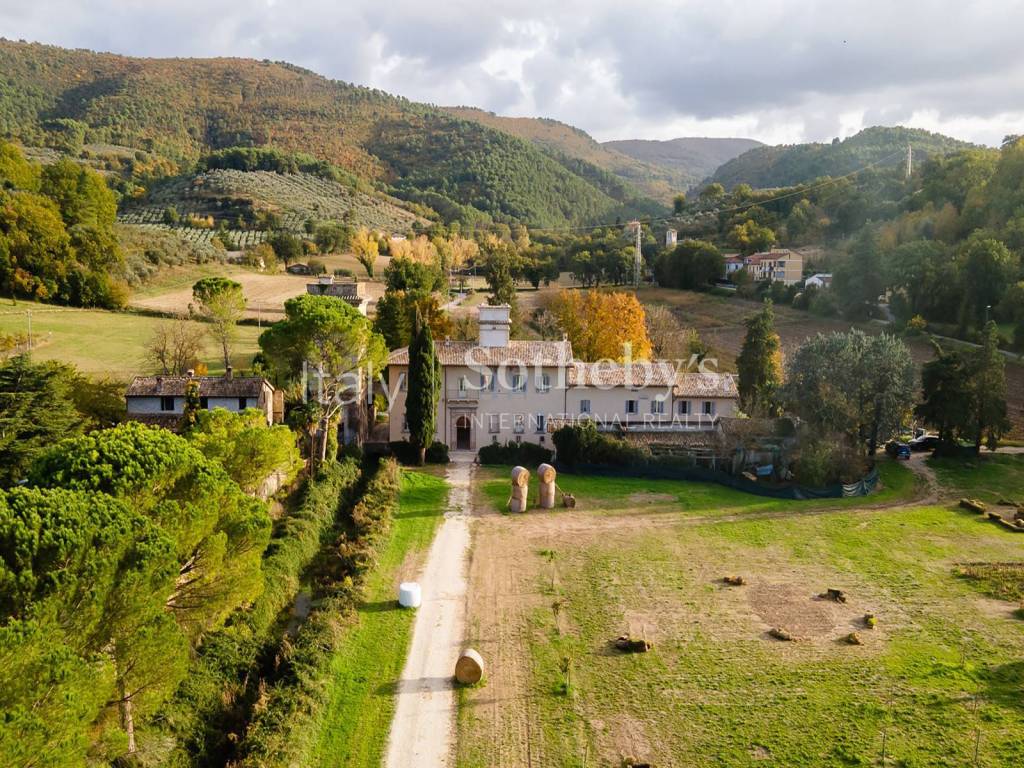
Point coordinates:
[[463, 433]]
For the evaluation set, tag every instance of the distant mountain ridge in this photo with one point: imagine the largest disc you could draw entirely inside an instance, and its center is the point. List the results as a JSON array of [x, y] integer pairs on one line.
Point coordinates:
[[687, 160], [785, 165], [181, 109]]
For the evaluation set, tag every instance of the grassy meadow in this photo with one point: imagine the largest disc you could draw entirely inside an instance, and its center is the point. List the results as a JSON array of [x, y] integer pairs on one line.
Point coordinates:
[[105, 343], [938, 677], [354, 728]]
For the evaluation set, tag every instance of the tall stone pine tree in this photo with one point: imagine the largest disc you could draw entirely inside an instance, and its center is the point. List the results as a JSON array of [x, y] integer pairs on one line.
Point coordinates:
[[423, 390], [760, 364]]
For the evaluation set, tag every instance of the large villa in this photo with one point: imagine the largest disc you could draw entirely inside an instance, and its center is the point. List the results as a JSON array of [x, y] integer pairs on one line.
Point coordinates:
[[500, 389]]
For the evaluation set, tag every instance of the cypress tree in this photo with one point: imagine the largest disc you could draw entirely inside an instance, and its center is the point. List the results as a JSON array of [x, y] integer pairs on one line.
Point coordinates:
[[760, 364], [424, 389]]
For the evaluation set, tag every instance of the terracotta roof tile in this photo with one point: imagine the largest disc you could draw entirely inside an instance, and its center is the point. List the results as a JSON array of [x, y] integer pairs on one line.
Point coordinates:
[[209, 386], [528, 353]]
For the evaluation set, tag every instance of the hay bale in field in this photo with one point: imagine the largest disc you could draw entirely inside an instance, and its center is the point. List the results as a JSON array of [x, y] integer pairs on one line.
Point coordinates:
[[734, 581], [518, 500], [780, 634], [853, 639], [469, 668], [973, 505], [628, 644], [546, 473], [835, 595]]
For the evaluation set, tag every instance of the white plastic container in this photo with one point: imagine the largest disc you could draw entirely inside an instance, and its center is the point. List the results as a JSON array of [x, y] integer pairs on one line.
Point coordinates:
[[409, 594]]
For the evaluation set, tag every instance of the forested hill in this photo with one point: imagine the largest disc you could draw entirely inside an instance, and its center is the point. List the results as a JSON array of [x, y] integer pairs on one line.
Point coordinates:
[[655, 180], [786, 165], [181, 109], [687, 161]]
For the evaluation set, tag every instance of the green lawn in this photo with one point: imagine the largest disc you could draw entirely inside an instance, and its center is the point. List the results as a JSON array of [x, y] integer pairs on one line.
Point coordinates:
[[618, 495], [101, 342], [989, 477], [354, 729]]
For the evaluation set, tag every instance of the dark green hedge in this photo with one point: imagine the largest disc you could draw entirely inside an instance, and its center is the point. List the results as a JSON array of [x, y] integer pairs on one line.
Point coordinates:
[[275, 735], [527, 454]]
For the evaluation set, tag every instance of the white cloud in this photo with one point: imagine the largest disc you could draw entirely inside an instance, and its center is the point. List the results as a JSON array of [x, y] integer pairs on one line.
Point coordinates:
[[777, 70]]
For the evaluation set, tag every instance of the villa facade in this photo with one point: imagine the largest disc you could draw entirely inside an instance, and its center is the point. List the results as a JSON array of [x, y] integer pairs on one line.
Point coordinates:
[[499, 389]]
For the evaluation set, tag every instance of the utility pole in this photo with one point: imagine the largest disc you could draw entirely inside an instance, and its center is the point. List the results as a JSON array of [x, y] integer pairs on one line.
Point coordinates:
[[637, 257], [910, 159]]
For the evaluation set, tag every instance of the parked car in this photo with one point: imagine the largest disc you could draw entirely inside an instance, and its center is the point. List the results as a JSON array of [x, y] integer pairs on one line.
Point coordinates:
[[924, 443], [897, 449]]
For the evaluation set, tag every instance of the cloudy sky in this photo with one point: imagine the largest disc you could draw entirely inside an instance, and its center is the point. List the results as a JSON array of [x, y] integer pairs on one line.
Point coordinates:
[[774, 70]]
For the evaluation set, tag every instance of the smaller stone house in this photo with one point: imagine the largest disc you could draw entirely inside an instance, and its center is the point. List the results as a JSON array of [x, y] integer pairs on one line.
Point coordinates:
[[347, 290], [160, 400]]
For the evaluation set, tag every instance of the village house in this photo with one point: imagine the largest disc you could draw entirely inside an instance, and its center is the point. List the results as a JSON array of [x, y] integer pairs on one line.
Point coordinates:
[[500, 389], [778, 265], [160, 399], [349, 291], [820, 281]]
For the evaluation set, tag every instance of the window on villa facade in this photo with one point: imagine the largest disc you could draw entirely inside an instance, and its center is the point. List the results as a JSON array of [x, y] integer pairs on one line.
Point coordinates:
[[544, 382], [486, 382], [493, 423], [632, 406], [204, 403], [657, 406], [683, 407], [166, 403], [709, 408], [518, 382], [405, 422], [243, 403], [538, 421], [463, 383], [584, 406], [402, 383], [519, 423]]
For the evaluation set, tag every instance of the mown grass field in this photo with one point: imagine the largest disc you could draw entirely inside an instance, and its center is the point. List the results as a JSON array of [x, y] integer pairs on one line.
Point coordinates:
[[354, 728], [940, 676], [108, 343], [628, 495]]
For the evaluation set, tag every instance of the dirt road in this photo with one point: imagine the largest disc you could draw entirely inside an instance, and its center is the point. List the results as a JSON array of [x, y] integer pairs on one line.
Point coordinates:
[[423, 731]]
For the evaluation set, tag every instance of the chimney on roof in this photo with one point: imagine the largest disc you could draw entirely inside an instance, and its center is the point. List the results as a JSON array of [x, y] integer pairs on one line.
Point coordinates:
[[228, 372], [495, 323]]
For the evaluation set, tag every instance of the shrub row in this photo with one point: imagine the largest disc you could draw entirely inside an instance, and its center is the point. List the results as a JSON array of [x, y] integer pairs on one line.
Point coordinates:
[[583, 444], [527, 454], [280, 733], [212, 706], [406, 452]]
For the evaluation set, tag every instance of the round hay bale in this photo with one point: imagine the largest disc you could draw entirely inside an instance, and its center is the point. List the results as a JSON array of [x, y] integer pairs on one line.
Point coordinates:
[[409, 594], [546, 473], [520, 476], [517, 505], [469, 668]]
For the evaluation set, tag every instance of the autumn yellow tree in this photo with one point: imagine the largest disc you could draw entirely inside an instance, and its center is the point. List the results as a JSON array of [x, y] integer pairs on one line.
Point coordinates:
[[603, 326], [418, 249], [364, 245]]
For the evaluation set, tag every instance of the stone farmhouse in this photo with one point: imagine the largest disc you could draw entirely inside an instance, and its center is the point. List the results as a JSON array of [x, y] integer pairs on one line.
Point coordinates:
[[160, 400], [499, 390], [347, 290]]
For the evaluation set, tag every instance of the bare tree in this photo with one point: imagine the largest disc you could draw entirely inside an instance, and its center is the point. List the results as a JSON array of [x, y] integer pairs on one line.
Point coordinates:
[[175, 346]]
